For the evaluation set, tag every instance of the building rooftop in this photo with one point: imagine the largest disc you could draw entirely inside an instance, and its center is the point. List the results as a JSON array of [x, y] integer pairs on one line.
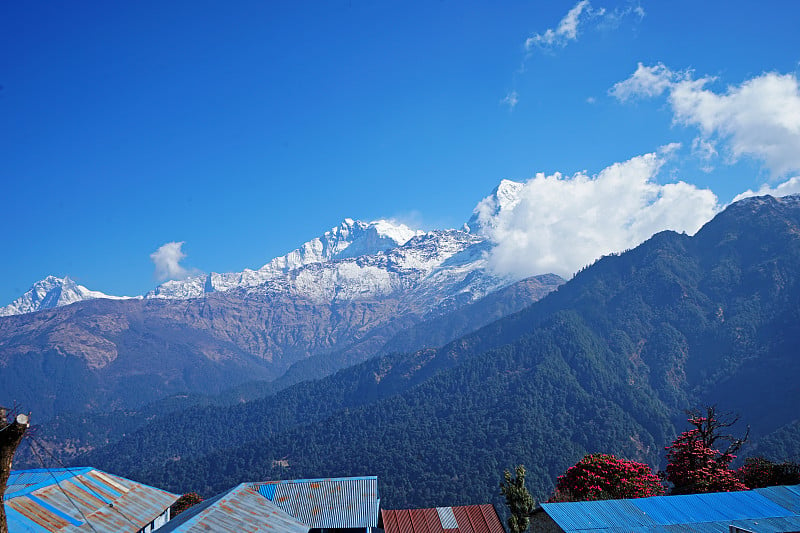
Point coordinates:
[[80, 499], [467, 519], [772, 509], [240, 509], [347, 502]]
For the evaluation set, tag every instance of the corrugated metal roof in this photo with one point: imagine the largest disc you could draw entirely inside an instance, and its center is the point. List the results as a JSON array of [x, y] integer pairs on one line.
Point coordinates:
[[447, 517], [65, 499], [350, 502], [785, 496], [711, 507], [462, 519], [242, 508], [574, 516], [763, 509], [25, 481]]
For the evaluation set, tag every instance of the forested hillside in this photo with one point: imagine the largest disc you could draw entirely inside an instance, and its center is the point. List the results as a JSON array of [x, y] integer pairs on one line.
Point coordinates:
[[73, 433], [606, 363]]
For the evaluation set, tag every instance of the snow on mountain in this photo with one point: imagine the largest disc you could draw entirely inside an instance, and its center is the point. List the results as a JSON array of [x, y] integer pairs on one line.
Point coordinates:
[[52, 292], [361, 261], [352, 261], [351, 238], [504, 197]]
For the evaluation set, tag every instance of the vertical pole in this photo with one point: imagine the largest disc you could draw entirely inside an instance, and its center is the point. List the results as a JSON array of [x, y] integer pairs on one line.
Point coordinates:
[[10, 437]]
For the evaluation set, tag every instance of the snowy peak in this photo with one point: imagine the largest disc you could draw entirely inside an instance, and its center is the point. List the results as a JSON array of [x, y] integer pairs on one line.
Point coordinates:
[[503, 198], [51, 292], [354, 260], [362, 261], [351, 238]]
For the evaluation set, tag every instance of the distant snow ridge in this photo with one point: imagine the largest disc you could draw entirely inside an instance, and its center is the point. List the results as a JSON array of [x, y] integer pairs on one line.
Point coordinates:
[[359, 261], [351, 238], [352, 261], [52, 292]]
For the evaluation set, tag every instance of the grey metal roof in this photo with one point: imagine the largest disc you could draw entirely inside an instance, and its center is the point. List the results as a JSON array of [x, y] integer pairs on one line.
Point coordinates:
[[770, 509], [242, 508], [350, 502], [447, 517], [80, 499]]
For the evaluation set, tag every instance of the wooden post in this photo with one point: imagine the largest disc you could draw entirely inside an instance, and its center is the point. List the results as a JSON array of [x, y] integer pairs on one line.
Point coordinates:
[[10, 437]]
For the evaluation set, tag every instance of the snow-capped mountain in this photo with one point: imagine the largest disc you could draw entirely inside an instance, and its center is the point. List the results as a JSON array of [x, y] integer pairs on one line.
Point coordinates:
[[353, 261], [351, 238], [504, 197], [52, 292], [362, 261], [359, 290]]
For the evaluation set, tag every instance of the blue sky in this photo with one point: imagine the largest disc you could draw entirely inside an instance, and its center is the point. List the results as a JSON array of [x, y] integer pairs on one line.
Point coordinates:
[[244, 129]]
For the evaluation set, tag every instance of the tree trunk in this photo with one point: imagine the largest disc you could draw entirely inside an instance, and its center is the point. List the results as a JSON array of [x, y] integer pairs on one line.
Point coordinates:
[[10, 437]]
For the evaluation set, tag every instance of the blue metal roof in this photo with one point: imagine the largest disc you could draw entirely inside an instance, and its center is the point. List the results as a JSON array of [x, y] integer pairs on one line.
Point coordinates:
[[80, 499], [770, 509], [787, 496], [667, 510], [350, 502], [26, 481], [239, 509]]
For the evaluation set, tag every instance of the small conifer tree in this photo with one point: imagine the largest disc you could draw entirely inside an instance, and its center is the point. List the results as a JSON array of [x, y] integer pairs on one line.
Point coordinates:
[[518, 498]]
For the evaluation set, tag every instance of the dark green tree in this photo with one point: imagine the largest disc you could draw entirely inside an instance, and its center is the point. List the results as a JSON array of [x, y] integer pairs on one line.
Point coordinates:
[[759, 472], [518, 498]]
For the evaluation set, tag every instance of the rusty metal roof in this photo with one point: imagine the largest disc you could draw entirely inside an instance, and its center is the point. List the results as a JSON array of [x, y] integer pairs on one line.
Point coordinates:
[[63, 500], [242, 508], [348, 502], [463, 519]]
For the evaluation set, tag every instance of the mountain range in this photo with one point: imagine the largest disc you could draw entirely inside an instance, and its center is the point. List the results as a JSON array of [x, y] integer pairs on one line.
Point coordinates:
[[606, 363], [414, 362], [352, 261], [336, 300]]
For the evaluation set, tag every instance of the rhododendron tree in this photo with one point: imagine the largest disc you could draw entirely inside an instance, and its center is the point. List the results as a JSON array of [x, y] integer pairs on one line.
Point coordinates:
[[605, 477], [695, 465], [183, 503]]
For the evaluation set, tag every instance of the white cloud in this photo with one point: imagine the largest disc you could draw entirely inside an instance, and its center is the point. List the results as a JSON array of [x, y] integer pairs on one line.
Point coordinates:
[[790, 186], [759, 118], [569, 27], [561, 223], [511, 99], [645, 82], [704, 150], [582, 15], [167, 261]]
